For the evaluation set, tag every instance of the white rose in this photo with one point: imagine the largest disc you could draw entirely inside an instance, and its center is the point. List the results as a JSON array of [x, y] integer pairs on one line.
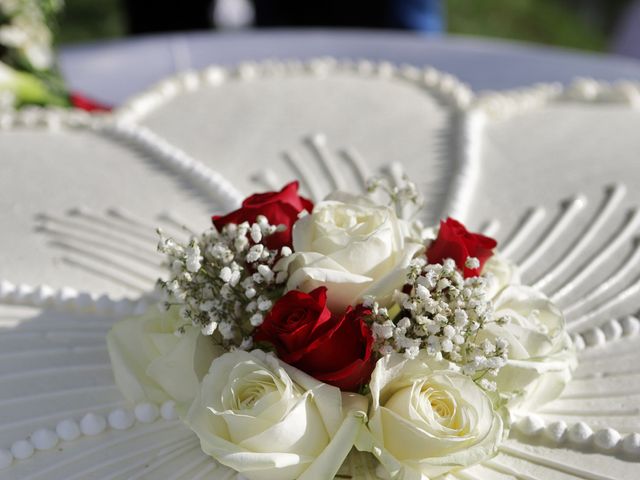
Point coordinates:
[[268, 420], [151, 363], [500, 273], [541, 357], [353, 247], [426, 420]]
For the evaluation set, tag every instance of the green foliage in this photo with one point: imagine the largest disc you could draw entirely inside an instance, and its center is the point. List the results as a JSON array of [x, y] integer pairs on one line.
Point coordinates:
[[541, 21], [87, 20]]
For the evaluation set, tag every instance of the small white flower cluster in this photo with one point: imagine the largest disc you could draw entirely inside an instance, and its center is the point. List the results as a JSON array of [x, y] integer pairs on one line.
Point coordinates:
[[224, 281], [26, 29], [444, 314], [404, 196]]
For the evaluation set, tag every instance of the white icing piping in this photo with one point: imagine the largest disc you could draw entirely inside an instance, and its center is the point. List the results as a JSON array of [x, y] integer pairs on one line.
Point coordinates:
[[502, 105], [468, 157], [530, 223], [609, 331], [89, 425], [211, 182], [443, 86], [590, 90], [568, 213], [614, 195], [67, 298], [52, 118], [580, 434]]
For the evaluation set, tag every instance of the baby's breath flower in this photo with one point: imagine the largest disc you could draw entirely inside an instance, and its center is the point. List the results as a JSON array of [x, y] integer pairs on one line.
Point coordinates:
[[256, 319], [193, 257], [472, 263], [224, 280], [442, 313], [209, 328], [403, 196]]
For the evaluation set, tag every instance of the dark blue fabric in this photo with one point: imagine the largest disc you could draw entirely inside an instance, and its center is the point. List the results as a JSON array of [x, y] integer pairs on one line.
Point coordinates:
[[419, 15]]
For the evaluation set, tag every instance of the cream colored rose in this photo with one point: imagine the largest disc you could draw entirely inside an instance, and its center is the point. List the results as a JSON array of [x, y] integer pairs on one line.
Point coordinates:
[[426, 420], [500, 273], [268, 420], [151, 363], [541, 357], [353, 247]]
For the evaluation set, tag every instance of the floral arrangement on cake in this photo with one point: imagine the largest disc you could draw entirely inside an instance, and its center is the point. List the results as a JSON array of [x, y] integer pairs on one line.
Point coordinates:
[[296, 333]]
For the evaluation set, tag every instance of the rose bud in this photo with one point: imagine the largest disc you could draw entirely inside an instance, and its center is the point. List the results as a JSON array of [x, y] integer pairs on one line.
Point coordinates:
[[456, 242]]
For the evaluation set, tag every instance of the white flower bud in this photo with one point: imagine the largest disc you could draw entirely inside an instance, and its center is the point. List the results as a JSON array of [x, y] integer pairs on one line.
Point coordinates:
[[422, 292], [382, 330], [411, 352], [264, 304], [226, 330], [256, 233], [446, 345], [461, 318], [193, 258], [472, 263], [241, 243], [448, 331], [235, 278], [225, 274], [255, 252], [256, 319], [209, 328], [266, 272], [404, 323]]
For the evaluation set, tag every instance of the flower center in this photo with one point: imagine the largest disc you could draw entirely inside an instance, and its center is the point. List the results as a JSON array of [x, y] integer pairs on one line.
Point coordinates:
[[351, 219], [443, 406], [248, 391]]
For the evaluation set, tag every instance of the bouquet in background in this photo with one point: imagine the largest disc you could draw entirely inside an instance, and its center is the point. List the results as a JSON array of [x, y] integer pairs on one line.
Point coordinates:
[[28, 72], [296, 336]]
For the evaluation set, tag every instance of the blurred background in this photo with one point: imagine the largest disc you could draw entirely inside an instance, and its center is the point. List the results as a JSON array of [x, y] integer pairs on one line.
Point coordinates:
[[595, 25], [52, 51]]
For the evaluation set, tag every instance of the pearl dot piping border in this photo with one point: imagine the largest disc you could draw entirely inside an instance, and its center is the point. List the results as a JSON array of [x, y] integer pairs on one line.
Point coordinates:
[[609, 331], [607, 440], [89, 425]]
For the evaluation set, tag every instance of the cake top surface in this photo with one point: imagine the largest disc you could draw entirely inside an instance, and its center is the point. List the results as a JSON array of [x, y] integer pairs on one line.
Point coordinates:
[[548, 171]]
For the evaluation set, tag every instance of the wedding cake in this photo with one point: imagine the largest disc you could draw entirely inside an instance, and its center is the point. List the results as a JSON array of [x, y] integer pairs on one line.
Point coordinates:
[[550, 172]]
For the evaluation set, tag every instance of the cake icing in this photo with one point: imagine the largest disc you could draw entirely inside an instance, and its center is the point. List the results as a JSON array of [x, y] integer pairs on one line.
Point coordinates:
[[57, 390]]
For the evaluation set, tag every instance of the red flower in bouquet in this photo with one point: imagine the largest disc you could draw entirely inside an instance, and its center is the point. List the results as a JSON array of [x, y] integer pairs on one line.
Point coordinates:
[[85, 103], [456, 242], [335, 349], [280, 208]]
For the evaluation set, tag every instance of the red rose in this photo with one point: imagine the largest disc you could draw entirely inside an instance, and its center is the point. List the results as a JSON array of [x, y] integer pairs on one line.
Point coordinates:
[[85, 103], [280, 208], [335, 349], [454, 241]]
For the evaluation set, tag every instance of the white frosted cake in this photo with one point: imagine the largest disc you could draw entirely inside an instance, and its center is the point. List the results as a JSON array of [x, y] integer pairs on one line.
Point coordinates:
[[550, 172]]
